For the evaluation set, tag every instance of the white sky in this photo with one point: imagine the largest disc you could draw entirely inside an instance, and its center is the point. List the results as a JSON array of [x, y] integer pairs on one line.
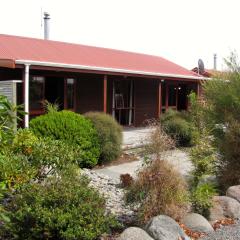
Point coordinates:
[[180, 30]]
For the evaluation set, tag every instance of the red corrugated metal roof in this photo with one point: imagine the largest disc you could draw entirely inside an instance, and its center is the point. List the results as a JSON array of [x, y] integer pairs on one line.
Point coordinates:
[[23, 48]]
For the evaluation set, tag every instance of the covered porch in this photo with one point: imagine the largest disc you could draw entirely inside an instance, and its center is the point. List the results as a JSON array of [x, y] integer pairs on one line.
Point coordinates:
[[131, 100]]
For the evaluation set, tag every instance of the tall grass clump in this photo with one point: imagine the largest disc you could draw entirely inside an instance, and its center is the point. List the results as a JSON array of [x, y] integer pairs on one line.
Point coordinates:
[[159, 188]]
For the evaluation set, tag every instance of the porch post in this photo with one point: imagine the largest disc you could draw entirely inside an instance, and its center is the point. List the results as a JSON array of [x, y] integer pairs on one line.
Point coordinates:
[[199, 90], [26, 96], [105, 94], [130, 104], [113, 99], [159, 104], [166, 99]]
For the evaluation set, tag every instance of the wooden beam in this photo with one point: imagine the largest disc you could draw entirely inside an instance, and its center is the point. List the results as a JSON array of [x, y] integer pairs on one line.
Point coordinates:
[[7, 63], [166, 99], [105, 94], [198, 89], [159, 104], [131, 103]]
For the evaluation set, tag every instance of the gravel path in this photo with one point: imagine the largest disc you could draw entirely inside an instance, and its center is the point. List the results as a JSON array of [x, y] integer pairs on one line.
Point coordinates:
[[113, 194], [179, 159], [230, 232]]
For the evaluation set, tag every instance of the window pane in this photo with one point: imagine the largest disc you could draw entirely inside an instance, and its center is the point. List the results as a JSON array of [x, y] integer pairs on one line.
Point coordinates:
[[70, 93], [36, 92]]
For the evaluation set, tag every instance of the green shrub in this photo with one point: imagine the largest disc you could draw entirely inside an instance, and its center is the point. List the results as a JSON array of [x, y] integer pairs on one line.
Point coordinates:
[[45, 154], [63, 208], [201, 198], [222, 108], [179, 127], [228, 164], [109, 134], [73, 129], [24, 141], [159, 189], [15, 170], [203, 157]]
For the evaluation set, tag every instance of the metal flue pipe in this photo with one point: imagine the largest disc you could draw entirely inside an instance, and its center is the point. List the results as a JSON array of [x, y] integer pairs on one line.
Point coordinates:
[[46, 25]]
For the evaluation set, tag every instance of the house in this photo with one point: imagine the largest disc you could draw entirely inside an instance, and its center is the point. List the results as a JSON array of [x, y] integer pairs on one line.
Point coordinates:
[[132, 87]]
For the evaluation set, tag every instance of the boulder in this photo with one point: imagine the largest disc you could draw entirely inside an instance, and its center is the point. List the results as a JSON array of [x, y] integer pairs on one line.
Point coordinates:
[[223, 207], [134, 233], [197, 223], [165, 228], [234, 192]]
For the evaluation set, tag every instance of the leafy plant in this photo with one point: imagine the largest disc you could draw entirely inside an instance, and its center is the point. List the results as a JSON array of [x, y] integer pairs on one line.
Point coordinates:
[[24, 141], [15, 170], [73, 129], [202, 198], [203, 157], [50, 156], [109, 134], [50, 107], [8, 119], [64, 207]]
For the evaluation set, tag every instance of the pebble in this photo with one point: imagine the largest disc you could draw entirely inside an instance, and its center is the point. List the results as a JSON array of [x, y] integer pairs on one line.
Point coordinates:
[[230, 232], [113, 194]]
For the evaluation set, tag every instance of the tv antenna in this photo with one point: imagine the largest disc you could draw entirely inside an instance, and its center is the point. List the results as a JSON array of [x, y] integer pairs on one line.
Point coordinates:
[[201, 68]]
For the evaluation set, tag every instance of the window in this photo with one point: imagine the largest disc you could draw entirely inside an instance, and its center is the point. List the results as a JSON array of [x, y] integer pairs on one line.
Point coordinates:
[[36, 92], [69, 93]]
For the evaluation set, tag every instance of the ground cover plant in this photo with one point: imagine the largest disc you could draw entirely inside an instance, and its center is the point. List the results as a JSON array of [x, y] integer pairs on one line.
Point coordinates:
[[73, 129], [109, 134]]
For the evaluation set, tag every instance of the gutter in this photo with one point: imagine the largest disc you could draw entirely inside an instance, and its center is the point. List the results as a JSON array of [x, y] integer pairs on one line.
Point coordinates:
[[105, 69]]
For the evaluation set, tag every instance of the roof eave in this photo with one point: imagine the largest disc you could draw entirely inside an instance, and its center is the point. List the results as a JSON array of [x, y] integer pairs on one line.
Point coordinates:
[[105, 69]]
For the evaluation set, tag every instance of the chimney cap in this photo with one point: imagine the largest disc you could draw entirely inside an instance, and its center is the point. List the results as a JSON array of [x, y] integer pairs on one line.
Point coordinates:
[[46, 15]]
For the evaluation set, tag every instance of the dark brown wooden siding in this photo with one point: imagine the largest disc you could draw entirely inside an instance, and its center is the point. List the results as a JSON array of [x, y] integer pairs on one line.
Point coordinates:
[[146, 100], [89, 93], [10, 74]]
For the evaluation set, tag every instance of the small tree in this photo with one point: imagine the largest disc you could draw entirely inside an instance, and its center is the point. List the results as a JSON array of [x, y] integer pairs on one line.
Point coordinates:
[[223, 115]]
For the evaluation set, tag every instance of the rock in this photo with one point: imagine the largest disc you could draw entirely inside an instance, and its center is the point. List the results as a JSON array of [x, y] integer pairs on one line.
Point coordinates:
[[165, 228], [134, 233], [223, 207], [234, 192], [197, 223]]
